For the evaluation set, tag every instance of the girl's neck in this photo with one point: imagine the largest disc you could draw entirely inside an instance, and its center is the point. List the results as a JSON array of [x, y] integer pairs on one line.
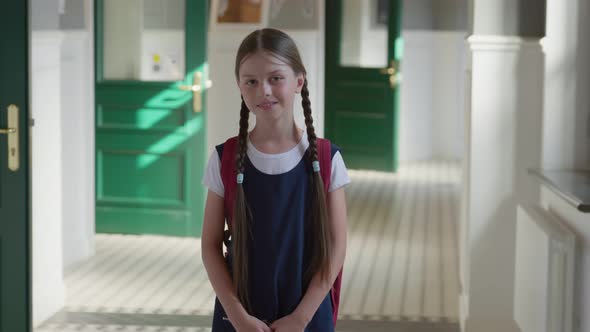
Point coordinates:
[[273, 140]]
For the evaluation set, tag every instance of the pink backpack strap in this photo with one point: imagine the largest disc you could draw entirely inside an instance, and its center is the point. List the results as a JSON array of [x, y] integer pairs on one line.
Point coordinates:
[[228, 177], [325, 159]]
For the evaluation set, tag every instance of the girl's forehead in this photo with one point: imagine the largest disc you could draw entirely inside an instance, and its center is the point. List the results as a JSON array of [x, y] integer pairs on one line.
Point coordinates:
[[262, 62]]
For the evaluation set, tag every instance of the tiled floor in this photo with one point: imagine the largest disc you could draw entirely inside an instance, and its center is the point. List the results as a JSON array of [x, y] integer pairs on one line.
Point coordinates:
[[400, 274]]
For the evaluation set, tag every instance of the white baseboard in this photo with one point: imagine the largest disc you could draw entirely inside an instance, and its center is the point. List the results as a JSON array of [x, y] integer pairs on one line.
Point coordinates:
[[490, 325], [463, 310], [48, 298]]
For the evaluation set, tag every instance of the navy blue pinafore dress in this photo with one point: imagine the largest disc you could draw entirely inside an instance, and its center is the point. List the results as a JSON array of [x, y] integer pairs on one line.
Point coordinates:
[[279, 252]]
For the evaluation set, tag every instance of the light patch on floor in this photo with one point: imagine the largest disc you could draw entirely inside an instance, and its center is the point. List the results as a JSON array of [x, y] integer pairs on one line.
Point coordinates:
[[402, 260]]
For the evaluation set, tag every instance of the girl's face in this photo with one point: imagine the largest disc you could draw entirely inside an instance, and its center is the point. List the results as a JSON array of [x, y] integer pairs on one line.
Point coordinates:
[[268, 86]]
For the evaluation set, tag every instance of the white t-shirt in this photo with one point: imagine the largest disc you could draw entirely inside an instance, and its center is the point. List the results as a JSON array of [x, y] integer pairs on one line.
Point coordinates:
[[274, 164]]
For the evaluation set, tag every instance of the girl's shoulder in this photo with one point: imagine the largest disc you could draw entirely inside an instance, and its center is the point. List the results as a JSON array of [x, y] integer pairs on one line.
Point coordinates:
[[230, 143], [333, 147]]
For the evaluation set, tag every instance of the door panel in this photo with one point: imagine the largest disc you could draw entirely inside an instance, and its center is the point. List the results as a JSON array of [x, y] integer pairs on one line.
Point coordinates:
[[150, 120], [15, 271], [362, 38]]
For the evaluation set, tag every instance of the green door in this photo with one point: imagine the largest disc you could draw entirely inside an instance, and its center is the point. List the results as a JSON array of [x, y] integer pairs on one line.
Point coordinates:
[[151, 77], [363, 51], [15, 263]]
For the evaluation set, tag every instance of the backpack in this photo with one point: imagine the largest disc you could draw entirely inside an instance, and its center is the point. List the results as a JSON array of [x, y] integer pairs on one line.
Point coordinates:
[[228, 177]]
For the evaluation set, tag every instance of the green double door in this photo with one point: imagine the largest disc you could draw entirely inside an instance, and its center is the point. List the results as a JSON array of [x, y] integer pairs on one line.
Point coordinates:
[[363, 53], [15, 240], [151, 81]]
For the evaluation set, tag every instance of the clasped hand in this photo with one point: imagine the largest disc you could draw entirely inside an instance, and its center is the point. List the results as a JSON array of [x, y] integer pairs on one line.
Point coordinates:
[[289, 323]]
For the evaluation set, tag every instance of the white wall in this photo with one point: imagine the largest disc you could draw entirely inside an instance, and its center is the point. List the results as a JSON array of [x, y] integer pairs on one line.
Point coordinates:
[[492, 18], [46, 170], [448, 15], [77, 114], [416, 97], [566, 103], [509, 18], [448, 99], [432, 95], [62, 100]]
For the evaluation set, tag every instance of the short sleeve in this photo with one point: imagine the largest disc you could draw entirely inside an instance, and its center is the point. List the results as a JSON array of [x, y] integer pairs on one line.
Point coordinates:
[[212, 177], [339, 173]]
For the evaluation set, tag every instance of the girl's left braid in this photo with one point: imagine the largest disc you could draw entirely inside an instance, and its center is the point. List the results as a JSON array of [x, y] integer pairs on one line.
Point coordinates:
[[241, 227], [242, 137], [320, 238], [311, 136]]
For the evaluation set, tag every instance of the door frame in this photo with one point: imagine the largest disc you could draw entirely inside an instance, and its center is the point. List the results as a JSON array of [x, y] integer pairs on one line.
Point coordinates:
[[15, 186]]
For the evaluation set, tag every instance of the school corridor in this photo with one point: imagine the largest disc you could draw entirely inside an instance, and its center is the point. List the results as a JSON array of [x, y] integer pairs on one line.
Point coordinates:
[[400, 274]]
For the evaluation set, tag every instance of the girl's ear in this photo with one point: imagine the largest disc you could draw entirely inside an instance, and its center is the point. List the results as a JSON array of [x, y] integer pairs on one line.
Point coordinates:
[[300, 80]]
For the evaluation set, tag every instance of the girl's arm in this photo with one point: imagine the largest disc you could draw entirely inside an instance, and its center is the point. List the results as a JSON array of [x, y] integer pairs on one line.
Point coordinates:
[[212, 254], [318, 288]]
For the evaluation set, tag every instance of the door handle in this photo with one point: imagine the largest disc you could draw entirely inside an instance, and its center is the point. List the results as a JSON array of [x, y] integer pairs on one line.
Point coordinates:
[[196, 89], [393, 73], [12, 132], [8, 131]]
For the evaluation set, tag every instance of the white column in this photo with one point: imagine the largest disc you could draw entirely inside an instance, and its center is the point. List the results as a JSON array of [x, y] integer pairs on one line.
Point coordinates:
[[503, 130]]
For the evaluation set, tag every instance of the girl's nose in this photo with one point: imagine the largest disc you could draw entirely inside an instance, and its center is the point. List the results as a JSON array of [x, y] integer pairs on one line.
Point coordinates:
[[266, 89]]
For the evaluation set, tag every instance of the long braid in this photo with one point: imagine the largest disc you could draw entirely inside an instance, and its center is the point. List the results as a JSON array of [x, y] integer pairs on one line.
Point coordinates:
[[311, 136], [242, 218], [242, 137], [321, 239]]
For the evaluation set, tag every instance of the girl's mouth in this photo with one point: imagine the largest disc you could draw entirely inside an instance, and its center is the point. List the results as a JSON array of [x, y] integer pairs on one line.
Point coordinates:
[[267, 105]]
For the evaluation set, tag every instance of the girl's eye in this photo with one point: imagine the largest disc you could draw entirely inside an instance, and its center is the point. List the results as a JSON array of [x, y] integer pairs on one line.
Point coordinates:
[[277, 78], [250, 82]]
